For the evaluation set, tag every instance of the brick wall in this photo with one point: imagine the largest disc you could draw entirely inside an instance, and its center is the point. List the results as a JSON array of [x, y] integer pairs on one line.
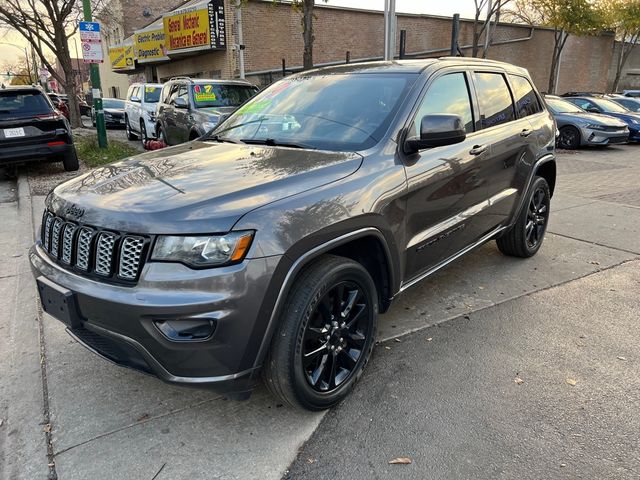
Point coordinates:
[[630, 79]]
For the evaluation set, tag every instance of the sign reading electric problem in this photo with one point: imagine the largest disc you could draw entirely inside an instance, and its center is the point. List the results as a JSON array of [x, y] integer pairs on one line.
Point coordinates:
[[201, 27]]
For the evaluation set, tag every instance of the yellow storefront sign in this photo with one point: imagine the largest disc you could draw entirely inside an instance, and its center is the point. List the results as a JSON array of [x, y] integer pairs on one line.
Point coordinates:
[[200, 27], [122, 57], [150, 45]]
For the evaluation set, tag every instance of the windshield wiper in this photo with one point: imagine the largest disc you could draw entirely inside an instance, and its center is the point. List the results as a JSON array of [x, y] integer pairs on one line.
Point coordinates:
[[219, 139], [270, 142]]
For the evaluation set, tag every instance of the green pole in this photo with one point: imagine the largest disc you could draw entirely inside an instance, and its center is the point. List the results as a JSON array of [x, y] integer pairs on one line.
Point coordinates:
[[95, 86]]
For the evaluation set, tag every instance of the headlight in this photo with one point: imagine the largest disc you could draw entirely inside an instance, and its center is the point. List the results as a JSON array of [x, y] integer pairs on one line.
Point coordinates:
[[203, 251], [594, 126], [209, 125], [635, 121], [151, 115]]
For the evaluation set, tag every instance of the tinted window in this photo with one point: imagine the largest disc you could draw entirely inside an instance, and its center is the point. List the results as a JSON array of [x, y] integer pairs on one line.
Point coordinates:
[[339, 112], [496, 106], [609, 106], [164, 96], [562, 106], [22, 104], [526, 99], [584, 103], [216, 95], [112, 103], [151, 94], [447, 94]]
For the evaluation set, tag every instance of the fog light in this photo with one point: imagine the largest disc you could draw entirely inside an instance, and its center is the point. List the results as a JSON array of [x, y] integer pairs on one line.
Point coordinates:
[[186, 330]]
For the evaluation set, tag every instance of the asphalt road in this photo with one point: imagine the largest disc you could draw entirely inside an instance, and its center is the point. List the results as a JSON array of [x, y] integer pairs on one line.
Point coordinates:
[[451, 403]]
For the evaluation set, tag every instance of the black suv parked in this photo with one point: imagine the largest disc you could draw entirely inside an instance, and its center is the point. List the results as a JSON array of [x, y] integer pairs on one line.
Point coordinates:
[[32, 129], [272, 244], [189, 108]]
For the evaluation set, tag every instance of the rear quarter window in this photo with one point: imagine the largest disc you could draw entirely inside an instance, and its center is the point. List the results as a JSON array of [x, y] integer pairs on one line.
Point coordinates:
[[527, 102], [496, 104]]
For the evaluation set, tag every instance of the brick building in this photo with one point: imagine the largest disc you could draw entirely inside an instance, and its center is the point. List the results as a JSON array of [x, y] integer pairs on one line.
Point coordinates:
[[272, 33]]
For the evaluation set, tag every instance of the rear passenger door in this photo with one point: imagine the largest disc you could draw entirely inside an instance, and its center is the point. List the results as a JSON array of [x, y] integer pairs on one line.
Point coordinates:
[[508, 138]]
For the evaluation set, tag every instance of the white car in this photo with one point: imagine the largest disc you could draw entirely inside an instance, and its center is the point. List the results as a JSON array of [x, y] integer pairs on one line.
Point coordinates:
[[140, 110]]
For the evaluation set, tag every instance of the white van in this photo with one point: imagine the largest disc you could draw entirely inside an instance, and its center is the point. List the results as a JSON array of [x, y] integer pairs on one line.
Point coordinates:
[[140, 110]]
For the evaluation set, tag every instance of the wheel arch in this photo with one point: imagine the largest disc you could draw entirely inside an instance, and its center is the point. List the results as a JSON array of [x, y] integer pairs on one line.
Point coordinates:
[[548, 171], [351, 245]]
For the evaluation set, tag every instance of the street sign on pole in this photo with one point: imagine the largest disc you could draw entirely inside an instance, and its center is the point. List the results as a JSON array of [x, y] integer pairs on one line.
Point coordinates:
[[91, 32], [91, 42]]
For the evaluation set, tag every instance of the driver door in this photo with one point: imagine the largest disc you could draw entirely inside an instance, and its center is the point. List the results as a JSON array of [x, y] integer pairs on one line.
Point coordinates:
[[444, 183]]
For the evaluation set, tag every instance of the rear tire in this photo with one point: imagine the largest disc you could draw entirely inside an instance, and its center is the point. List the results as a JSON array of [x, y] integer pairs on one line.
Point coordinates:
[[130, 134], [325, 336], [70, 160], [525, 237], [569, 138]]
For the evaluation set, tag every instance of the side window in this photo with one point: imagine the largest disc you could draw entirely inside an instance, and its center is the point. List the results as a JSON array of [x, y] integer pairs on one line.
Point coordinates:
[[173, 92], [135, 94], [527, 102], [447, 94], [183, 92], [584, 104], [496, 105], [165, 93]]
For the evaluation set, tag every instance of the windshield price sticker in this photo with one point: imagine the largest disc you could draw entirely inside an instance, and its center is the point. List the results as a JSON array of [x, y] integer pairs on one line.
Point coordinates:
[[204, 93], [150, 89]]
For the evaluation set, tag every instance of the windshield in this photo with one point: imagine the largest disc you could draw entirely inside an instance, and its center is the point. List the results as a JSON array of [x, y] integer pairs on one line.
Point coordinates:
[[609, 106], [632, 105], [22, 104], [152, 94], [562, 106], [331, 112], [112, 103], [206, 95]]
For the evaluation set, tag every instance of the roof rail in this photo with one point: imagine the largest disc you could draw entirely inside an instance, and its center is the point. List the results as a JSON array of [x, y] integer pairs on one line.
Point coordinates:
[[181, 78], [470, 59]]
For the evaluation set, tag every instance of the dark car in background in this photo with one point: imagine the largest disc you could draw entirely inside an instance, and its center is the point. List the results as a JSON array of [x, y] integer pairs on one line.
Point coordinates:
[[629, 103], [189, 108], [601, 105], [113, 112], [31, 129], [270, 245], [60, 104], [578, 127]]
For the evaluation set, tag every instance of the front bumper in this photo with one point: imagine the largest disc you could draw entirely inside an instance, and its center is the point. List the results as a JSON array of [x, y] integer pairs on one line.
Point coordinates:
[[599, 137], [122, 323]]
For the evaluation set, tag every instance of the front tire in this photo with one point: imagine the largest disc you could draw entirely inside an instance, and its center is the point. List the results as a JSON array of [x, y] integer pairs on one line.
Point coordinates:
[[143, 132], [525, 237], [569, 138], [326, 334]]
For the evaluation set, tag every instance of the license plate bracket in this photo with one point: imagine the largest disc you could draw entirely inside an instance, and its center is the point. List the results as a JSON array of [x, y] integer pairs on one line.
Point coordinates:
[[59, 302], [14, 132]]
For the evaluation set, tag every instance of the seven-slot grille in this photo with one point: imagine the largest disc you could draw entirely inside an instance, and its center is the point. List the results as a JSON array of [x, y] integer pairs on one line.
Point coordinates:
[[93, 251]]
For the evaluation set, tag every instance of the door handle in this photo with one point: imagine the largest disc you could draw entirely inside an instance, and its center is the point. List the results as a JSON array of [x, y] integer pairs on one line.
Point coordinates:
[[526, 132], [478, 149]]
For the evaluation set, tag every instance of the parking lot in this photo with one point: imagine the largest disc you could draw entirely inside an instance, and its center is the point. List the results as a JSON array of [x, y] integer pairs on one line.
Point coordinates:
[[493, 368]]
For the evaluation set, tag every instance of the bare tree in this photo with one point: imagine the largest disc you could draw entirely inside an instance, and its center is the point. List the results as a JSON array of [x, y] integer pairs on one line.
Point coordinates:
[[21, 72], [491, 10], [576, 17], [625, 18], [47, 25]]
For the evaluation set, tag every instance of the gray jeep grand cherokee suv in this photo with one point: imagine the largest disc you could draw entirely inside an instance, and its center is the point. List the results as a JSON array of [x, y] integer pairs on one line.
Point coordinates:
[[271, 245]]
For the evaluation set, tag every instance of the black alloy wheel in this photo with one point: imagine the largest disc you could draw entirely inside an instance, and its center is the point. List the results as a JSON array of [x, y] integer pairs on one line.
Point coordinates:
[[524, 238], [325, 336], [537, 216], [335, 337], [569, 138]]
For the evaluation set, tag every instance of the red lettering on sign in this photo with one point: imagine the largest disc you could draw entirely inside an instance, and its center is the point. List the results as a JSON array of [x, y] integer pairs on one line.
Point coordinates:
[[190, 22]]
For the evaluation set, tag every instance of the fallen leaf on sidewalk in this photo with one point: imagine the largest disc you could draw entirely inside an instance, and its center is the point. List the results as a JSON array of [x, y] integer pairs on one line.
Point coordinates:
[[519, 381], [429, 339], [142, 417], [387, 348], [311, 460], [400, 461], [619, 358], [571, 382], [47, 428], [397, 340]]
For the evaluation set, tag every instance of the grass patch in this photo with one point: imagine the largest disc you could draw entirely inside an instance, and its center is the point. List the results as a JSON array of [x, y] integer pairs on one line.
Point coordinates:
[[94, 156]]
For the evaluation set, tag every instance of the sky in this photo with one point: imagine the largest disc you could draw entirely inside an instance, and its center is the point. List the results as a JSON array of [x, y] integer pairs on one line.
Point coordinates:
[[11, 54]]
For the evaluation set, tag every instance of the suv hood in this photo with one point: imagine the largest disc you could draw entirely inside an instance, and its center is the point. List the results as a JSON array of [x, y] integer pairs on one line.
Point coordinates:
[[197, 187]]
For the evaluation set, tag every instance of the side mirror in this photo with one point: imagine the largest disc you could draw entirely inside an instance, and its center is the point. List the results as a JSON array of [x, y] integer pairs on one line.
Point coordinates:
[[593, 110], [437, 131], [135, 99], [180, 103]]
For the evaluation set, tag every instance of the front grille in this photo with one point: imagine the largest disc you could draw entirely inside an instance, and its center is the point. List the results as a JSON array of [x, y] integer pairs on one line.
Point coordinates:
[[115, 256]]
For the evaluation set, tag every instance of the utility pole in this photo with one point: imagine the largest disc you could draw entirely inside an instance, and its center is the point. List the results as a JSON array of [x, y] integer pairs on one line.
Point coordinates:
[[240, 38], [389, 29], [95, 87]]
